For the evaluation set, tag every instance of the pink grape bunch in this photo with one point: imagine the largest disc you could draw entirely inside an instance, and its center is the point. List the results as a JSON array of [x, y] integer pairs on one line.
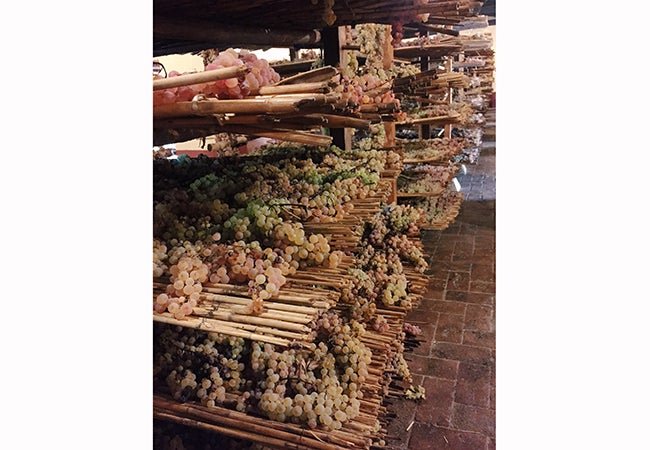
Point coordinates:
[[260, 74], [183, 292], [411, 329], [363, 90], [263, 270]]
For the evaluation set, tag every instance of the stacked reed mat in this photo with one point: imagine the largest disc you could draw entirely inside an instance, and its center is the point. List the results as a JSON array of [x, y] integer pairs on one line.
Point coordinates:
[[293, 109], [357, 433], [431, 151], [430, 82], [187, 26], [284, 323], [450, 214], [444, 209], [221, 306], [437, 48]]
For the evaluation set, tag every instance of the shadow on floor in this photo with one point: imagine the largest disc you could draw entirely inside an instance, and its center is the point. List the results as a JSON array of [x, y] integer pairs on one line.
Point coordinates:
[[478, 212]]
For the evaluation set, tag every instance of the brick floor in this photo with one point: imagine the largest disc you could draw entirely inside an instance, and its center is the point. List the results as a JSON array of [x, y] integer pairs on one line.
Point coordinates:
[[455, 361]]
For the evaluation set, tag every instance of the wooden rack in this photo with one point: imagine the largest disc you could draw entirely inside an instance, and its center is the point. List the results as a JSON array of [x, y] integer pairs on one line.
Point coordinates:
[[189, 26]]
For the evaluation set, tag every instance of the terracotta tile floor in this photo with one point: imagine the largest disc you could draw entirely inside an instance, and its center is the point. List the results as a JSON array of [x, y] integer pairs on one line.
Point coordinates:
[[455, 361]]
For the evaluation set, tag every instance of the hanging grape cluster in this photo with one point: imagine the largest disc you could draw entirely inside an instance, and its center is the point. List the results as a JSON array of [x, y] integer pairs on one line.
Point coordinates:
[[260, 74], [319, 388]]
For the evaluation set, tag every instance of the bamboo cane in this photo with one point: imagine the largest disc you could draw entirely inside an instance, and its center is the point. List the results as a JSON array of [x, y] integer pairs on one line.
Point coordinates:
[[430, 120], [213, 106], [227, 416], [225, 431], [286, 295], [284, 68], [252, 320], [321, 87], [377, 107], [280, 134], [267, 331], [259, 432], [371, 117], [311, 275], [204, 324], [336, 121], [210, 309], [442, 20], [427, 27], [318, 282], [313, 76], [379, 90], [278, 121], [200, 77]]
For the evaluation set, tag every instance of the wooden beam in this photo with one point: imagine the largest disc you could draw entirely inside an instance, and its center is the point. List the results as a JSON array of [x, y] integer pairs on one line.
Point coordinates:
[[198, 30]]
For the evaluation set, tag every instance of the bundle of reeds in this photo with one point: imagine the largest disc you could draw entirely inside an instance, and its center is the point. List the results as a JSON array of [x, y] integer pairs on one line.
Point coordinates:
[[295, 109], [223, 308], [241, 18]]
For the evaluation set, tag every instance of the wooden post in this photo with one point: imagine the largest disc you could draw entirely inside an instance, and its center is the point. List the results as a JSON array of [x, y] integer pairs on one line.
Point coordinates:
[[389, 127], [393, 195], [333, 39], [448, 67], [425, 130]]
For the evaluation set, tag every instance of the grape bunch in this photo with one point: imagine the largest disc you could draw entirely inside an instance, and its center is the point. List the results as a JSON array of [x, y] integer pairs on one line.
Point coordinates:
[[300, 249], [379, 324], [394, 219], [397, 32], [198, 365], [422, 178], [365, 89], [462, 109], [411, 329], [263, 270], [386, 249], [440, 149], [159, 258], [423, 40], [373, 139], [320, 388], [439, 209], [260, 74], [257, 219], [183, 292], [408, 251], [359, 295], [245, 220]]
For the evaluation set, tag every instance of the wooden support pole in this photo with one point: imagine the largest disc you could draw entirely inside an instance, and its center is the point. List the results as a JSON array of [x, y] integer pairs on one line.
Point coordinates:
[[389, 127], [426, 27], [200, 77], [425, 129], [333, 38], [198, 30], [448, 67]]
